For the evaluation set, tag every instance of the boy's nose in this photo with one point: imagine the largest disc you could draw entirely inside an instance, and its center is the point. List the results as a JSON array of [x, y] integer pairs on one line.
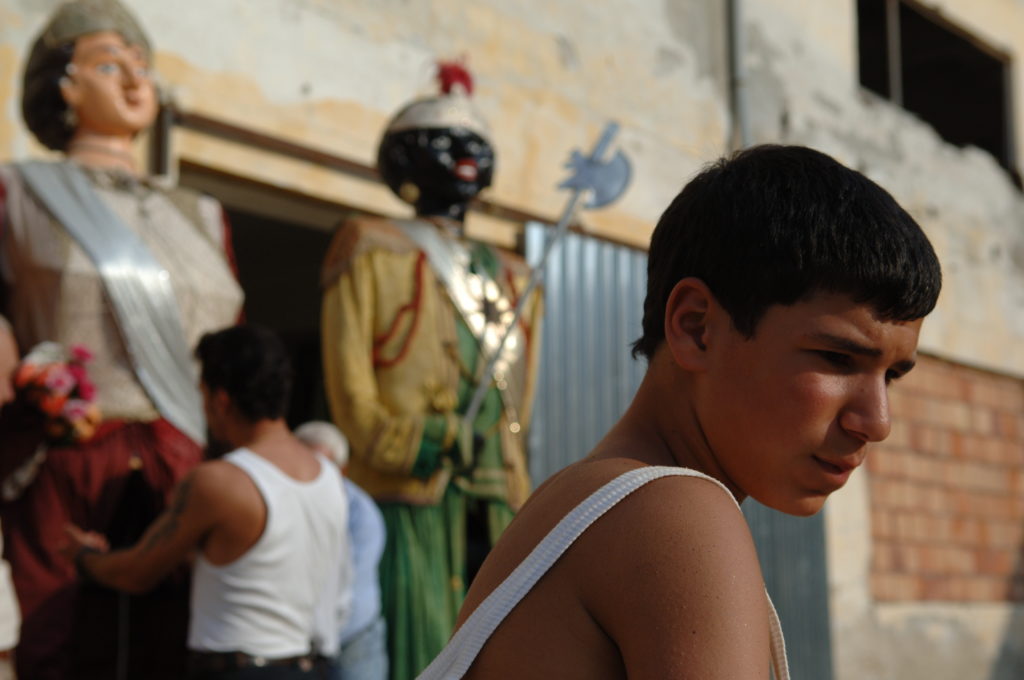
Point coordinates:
[[866, 416]]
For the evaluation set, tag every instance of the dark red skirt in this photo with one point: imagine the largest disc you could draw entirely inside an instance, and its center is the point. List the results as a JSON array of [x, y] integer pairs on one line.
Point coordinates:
[[115, 484]]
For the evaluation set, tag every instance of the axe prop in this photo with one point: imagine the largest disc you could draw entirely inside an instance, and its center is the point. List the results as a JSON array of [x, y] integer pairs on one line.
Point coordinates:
[[605, 181]]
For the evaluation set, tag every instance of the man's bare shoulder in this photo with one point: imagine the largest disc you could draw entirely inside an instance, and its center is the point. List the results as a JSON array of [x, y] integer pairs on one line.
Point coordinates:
[[213, 471], [218, 483]]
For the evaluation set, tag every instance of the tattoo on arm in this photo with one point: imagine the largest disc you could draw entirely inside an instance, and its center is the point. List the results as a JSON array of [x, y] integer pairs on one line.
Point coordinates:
[[171, 520]]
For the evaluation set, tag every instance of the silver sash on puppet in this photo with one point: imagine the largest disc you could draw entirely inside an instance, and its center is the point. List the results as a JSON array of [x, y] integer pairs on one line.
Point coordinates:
[[486, 311], [138, 287]]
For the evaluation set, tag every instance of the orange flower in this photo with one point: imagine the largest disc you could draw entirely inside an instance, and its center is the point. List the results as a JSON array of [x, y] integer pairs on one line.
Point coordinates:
[[24, 375], [52, 404]]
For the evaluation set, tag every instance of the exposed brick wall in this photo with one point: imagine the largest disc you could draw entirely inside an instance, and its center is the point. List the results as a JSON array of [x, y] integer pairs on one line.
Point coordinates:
[[947, 488]]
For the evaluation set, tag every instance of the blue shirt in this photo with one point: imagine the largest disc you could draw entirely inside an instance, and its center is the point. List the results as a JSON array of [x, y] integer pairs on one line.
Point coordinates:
[[366, 534]]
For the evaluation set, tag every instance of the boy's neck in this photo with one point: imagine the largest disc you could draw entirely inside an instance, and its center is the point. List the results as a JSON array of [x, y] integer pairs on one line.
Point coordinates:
[[661, 426]]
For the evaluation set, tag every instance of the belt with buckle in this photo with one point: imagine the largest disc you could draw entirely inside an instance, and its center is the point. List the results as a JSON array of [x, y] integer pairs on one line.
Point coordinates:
[[230, 661]]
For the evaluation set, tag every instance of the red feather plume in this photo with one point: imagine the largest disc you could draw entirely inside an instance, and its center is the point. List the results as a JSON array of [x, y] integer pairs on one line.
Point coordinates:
[[452, 73]]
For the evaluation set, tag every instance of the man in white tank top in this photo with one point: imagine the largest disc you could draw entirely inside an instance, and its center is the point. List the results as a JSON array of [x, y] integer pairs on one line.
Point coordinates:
[[267, 522]]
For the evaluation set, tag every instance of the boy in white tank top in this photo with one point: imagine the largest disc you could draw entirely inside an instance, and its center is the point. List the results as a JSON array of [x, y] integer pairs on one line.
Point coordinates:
[[268, 523], [785, 292]]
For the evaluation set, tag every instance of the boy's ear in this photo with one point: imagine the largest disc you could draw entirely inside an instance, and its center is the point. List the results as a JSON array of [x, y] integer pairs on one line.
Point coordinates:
[[686, 323]]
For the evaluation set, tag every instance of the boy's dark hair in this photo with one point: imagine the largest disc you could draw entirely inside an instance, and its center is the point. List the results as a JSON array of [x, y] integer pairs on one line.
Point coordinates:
[[251, 364], [775, 224]]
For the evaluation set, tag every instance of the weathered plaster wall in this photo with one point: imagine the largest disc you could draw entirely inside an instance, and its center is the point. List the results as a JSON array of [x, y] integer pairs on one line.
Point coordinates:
[[802, 91], [549, 74]]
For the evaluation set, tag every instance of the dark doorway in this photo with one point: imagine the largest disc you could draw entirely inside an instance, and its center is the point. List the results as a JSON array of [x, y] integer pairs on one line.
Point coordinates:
[[279, 269]]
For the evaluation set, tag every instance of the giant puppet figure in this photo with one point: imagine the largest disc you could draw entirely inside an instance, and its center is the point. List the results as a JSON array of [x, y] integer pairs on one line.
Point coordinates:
[[94, 254], [412, 311]]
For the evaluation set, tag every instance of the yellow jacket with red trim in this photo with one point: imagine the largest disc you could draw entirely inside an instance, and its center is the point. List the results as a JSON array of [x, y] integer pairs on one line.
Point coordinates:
[[391, 365]]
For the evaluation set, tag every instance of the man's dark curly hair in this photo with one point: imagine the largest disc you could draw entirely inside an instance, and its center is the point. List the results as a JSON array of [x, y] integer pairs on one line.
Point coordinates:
[[776, 224], [251, 364]]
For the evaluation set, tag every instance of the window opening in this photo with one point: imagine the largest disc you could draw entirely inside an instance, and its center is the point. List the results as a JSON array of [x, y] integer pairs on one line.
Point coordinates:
[[933, 69]]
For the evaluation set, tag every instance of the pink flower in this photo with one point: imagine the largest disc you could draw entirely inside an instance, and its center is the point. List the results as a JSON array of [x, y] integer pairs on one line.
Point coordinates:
[[77, 371], [86, 390], [81, 354], [75, 409], [60, 380]]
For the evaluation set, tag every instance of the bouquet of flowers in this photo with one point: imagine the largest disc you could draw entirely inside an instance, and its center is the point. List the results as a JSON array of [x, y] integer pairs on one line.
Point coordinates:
[[55, 381]]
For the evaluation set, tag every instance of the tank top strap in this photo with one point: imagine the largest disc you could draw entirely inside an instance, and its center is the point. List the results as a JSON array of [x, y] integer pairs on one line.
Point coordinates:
[[255, 467], [456, 658]]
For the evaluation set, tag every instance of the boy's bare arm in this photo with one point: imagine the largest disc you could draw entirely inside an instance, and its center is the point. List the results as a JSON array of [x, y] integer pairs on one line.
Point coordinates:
[[682, 595], [197, 506]]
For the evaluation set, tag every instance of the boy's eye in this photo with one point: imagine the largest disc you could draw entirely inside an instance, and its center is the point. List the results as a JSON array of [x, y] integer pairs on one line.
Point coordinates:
[[108, 68], [837, 359], [891, 375]]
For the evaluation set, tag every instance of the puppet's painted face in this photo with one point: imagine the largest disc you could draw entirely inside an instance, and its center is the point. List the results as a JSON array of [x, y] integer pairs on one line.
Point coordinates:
[[108, 86], [446, 165]]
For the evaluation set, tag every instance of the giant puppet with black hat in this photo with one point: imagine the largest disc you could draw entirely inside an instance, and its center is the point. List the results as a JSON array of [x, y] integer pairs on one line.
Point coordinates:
[[413, 319], [109, 278]]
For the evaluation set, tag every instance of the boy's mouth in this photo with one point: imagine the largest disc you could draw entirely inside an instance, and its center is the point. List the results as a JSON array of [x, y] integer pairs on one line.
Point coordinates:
[[838, 470]]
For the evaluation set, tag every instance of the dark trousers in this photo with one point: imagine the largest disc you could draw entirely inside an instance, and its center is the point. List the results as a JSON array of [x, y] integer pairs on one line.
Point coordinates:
[[264, 673]]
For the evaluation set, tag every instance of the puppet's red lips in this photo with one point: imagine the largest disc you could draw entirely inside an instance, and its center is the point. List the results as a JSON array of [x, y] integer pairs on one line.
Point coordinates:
[[466, 170]]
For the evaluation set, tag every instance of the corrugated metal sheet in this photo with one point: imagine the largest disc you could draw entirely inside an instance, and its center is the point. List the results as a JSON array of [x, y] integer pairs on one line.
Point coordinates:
[[792, 553], [594, 293]]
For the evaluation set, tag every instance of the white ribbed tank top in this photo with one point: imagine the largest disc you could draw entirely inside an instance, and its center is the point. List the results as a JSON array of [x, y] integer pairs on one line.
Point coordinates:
[[456, 658], [265, 603]]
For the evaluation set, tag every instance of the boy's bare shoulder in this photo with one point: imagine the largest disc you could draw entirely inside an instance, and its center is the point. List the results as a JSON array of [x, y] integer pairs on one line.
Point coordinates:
[[668, 515], [671, 574], [688, 521], [661, 586]]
